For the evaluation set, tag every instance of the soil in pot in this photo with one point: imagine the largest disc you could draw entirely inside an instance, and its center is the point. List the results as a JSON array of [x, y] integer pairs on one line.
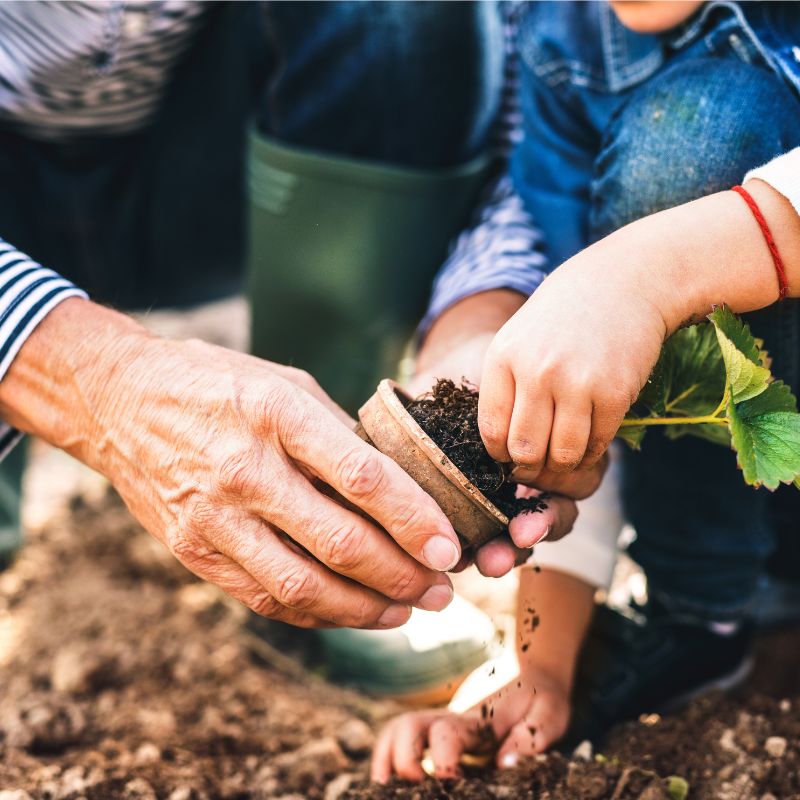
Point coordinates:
[[449, 415]]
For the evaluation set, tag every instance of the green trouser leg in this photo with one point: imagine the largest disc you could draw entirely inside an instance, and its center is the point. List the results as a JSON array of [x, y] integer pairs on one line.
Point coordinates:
[[342, 255], [11, 470]]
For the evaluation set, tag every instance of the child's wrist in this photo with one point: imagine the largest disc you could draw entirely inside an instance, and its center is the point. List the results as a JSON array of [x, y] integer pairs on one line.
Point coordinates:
[[708, 252]]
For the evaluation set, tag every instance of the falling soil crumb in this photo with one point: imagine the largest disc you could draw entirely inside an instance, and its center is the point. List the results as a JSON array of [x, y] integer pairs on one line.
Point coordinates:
[[449, 415], [125, 678]]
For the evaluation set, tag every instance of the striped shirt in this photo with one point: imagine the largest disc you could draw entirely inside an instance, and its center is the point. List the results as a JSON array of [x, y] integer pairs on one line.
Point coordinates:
[[97, 67], [66, 69]]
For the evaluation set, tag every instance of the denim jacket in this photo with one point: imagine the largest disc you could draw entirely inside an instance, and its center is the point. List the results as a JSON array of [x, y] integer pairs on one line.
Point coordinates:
[[578, 63]]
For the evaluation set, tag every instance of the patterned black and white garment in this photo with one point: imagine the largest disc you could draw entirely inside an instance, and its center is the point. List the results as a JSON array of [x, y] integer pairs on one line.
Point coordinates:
[[69, 69]]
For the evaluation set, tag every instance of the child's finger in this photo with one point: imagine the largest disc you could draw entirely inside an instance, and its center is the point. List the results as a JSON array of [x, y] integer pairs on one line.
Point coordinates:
[[549, 524], [381, 764], [606, 419], [578, 485], [496, 558], [495, 404], [572, 424], [531, 427], [449, 737], [409, 739]]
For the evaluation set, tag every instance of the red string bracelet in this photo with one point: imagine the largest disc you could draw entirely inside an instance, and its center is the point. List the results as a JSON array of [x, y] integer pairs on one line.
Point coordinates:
[[780, 269]]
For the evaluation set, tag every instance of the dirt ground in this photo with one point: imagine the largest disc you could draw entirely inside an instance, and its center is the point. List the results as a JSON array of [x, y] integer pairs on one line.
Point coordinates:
[[123, 677]]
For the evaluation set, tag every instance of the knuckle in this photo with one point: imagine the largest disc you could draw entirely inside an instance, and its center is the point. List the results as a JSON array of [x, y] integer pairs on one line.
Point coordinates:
[[405, 585], [524, 452], [265, 605], [237, 475], [195, 554], [597, 446], [360, 474], [297, 588], [565, 458], [411, 521], [275, 401], [339, 547], [549, 372], [303, 379], [365, 616], [492, 432]]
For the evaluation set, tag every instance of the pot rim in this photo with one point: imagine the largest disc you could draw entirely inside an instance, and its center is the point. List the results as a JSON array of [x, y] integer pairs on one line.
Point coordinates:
[[390, 393]]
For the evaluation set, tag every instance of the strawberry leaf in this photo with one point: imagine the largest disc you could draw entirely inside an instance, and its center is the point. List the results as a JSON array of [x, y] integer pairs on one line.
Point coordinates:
[[746, 377], [765, 432], [632, 435]]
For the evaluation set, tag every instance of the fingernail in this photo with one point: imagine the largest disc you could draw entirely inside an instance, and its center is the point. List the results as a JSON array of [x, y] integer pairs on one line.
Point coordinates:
[[521, 474], [525, 530], [547, 531], [394, 616], [509, 760], [436, 598], [440, 553]]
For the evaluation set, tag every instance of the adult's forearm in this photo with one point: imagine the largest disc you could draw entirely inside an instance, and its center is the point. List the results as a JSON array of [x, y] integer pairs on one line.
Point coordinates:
[[478, 314], [50, 390]]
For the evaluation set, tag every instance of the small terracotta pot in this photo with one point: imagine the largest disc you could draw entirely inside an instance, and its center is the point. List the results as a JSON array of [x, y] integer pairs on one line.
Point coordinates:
[[387, 425]]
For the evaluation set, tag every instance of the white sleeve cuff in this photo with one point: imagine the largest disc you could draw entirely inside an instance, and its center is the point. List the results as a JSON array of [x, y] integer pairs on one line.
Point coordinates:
[[783, 175], [589, 552]]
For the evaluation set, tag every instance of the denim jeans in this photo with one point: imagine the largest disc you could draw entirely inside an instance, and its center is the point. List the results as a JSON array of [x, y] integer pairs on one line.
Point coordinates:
[[695, 128], [414, 84]]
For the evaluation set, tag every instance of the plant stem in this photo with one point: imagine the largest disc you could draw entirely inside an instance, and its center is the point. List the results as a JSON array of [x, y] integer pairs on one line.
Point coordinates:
[[681, 396], [704, 420], [722, 403]]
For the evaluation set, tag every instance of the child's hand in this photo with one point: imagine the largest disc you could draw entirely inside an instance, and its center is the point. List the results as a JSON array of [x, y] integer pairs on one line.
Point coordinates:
[[527, 715], [561, 374]]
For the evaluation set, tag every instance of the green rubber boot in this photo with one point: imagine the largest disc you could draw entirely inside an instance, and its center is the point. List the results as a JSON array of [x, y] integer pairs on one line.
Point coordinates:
[[11, 470], [342, 255]]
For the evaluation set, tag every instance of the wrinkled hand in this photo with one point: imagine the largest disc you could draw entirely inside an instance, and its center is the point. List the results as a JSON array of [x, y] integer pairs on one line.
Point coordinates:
[[230, 461], [561, 374], [524, 722]]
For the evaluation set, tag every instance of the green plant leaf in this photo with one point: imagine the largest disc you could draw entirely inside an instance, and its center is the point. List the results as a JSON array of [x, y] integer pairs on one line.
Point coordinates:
[[746, 377], [687, 381], [632, 435], [765, 432]]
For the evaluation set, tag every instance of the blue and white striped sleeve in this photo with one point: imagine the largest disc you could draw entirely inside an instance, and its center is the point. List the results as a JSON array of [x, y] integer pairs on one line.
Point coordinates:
[[28, 292], [502, 250]]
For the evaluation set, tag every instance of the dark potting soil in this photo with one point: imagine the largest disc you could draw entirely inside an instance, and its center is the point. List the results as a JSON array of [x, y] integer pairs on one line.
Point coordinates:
[[449, 415]]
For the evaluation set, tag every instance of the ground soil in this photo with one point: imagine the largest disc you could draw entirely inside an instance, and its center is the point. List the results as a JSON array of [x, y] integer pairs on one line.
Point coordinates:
[[121, 676], [449, 415]]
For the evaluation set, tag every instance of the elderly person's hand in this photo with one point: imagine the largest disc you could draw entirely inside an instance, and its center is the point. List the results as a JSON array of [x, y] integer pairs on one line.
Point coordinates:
[[234, 463], [455, 348]]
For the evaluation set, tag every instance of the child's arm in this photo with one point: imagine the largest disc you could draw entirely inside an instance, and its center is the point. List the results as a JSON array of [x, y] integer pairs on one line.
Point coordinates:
[[561, 374], [527, 714]]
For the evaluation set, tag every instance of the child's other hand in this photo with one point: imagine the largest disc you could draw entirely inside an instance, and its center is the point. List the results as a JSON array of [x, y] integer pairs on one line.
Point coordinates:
[[527, 716], [561, 374]]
